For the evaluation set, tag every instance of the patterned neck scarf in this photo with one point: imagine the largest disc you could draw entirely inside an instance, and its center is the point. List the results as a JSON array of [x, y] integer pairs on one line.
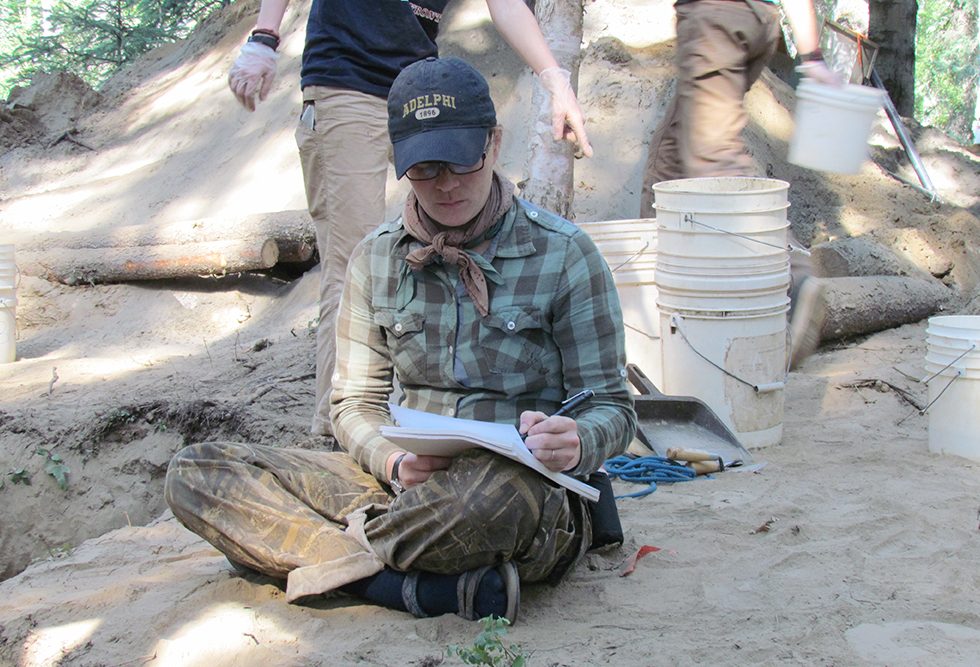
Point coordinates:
[[453, 244]]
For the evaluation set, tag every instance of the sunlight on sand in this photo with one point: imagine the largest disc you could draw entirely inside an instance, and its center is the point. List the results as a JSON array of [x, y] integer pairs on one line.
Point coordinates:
[[216, 635], [48, 646]]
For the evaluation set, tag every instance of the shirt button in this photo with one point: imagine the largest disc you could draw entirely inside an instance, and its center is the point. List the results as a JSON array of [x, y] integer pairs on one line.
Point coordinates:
[[450, 350], [511, 326], [532, 214], [398, 327], [622, 372], [450, 412]]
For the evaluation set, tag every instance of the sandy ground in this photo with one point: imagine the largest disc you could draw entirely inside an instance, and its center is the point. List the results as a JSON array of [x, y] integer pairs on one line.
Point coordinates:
[[869, 553]]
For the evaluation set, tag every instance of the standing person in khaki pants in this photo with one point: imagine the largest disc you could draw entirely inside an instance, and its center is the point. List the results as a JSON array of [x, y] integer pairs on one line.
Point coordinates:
[[722, 47], [354, 50]]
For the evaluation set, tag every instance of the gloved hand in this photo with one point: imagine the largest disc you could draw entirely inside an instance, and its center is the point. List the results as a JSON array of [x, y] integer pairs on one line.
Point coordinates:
[[817, 70], [567, 121], [253, 73]]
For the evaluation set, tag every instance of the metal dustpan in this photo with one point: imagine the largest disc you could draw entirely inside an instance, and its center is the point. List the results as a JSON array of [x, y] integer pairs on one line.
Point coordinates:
[[683, 422]]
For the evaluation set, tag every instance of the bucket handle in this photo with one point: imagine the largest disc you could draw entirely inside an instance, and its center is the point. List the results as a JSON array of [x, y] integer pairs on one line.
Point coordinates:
[[761, 388], [689, 218], [646, 244], [932, 377]]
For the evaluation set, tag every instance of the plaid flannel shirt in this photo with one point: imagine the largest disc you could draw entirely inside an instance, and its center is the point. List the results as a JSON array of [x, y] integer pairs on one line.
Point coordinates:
[[555, 327]]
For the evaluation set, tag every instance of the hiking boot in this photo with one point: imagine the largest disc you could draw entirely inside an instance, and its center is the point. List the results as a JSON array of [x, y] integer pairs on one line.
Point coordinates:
[[807, 312]]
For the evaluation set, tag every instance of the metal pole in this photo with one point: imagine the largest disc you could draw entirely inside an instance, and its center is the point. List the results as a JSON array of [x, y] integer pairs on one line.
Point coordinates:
[[903, 136]]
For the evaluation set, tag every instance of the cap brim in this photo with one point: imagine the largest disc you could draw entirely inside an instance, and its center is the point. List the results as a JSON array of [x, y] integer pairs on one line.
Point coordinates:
[[457, 145]]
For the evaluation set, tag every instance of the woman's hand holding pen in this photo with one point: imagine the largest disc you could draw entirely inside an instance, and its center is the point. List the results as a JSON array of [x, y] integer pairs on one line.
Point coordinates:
[[553, 440]]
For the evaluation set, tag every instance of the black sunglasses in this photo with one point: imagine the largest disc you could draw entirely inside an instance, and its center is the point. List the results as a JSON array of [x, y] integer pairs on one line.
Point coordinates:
[[426, 171]]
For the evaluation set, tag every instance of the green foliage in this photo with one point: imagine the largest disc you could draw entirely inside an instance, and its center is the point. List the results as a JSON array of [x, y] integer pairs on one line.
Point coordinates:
[[488, 648], [947, 65], [55, 466], [90, 38], [19, 476]]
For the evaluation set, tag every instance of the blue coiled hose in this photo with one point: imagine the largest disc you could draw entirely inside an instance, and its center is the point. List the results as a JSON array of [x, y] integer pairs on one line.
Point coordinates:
[[647, 470]]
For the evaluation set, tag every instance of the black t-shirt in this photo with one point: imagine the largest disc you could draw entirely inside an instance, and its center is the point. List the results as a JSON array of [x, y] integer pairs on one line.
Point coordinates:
[[363, 44]]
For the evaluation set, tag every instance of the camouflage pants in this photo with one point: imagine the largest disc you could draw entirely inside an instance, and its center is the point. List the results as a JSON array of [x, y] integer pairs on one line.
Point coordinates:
[[318, 520]]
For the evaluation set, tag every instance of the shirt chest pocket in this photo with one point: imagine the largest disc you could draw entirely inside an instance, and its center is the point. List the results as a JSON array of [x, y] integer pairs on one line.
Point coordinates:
[[405, 335], [517, 340]]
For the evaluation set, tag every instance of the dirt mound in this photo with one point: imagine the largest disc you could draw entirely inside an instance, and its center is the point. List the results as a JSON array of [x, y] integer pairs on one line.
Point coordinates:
[[46, 110]]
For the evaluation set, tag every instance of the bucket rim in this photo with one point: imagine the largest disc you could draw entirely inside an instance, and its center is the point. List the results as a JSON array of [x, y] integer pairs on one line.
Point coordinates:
[[680, 185], [952, 372], [853, 93], [712, 232], [724, 313], [955, 322], [618, 221]]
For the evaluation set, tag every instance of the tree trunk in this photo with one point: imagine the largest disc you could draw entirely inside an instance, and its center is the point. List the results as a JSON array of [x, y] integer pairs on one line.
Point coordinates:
[[549, 182], [81, 266], [891, 24], [210, 246]]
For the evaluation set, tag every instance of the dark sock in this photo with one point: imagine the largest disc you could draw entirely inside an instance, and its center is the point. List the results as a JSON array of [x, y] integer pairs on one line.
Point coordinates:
[[383, 588], [436, 593]]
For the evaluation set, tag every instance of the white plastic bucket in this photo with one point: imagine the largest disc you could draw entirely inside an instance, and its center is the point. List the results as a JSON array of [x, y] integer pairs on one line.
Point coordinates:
[[708, 244], [630, 249], [734, 362], [8, 268], [722, 278], [953, 362], [723, 294], [832, 126], [745, 204], [8, 330]]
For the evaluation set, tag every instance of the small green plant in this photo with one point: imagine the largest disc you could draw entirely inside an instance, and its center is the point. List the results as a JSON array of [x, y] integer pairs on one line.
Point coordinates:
[[19, 476], [55, 466], [488, 648]]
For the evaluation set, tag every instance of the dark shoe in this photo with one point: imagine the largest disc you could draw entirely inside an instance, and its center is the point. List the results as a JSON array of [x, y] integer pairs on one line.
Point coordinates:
[[808, 310], [469, 582], [462, 594]]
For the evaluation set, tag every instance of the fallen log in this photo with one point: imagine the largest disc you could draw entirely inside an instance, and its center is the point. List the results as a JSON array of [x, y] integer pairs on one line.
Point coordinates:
[[208, 246], [865, 304], [861, 256], [292, 231], [75, 266]]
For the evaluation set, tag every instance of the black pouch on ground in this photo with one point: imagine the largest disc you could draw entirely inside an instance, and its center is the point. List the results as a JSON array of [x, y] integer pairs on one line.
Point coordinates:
[[606, 527]]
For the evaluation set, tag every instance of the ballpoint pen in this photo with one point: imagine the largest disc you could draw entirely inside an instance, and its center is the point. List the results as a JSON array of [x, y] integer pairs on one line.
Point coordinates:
[[573, 402]]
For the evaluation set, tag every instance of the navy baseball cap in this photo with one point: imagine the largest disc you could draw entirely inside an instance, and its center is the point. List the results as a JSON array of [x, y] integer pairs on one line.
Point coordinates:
[[439, 110]]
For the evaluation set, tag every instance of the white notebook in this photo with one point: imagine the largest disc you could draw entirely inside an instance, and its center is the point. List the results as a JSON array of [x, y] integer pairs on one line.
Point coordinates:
[[437, 435]]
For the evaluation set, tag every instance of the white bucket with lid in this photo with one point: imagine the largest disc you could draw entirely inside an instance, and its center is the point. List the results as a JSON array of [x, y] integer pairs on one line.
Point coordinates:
[[832, 126], [630, 249], [722, 278], [953, 363]]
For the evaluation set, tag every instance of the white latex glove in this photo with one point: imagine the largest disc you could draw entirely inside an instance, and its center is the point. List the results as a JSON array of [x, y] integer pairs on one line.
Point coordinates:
[[817, 70], [253, 73], [567, 121]]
